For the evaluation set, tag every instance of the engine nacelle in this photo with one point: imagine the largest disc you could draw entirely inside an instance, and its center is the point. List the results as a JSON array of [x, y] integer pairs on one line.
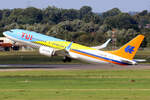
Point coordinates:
[[47, 51]]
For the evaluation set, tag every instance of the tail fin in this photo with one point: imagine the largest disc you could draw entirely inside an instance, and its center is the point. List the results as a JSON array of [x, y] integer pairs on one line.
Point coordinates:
[[129, 50]]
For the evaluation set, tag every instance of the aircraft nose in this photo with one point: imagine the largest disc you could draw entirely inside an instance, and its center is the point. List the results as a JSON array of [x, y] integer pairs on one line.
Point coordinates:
[[6, 33]]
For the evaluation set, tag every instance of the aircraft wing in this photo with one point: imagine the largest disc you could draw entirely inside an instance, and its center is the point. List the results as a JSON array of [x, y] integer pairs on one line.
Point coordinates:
[[64, 52], [103, 45]]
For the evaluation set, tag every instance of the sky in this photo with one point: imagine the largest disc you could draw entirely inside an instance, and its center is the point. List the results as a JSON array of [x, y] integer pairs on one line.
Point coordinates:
[[97, 5]]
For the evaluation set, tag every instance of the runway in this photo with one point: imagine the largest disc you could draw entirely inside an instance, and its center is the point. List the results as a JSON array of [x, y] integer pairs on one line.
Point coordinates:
[[9, 67]]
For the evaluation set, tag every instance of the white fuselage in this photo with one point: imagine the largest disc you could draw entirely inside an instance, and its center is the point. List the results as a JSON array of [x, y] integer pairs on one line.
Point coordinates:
[[94, 56], [98, 56]]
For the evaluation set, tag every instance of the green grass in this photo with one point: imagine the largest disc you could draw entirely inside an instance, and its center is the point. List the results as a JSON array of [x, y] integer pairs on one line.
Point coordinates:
[[75, 85], [31, 57], [71, 84]]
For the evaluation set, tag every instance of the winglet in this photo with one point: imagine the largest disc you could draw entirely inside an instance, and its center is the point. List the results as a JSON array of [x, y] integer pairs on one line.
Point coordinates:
[[103, 45], [68, 47]]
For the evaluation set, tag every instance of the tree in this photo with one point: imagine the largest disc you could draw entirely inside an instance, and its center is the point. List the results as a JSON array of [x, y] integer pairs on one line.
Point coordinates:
[[90, 27], [112, 12], [84, 11], [1, 14], [143, 13], [123, 36], [52, 15], [70, 14], [32, 15], [123, 20], [81, 25]]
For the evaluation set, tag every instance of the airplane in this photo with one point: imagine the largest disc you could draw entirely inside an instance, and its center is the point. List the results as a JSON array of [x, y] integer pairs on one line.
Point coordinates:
[[51, 46]]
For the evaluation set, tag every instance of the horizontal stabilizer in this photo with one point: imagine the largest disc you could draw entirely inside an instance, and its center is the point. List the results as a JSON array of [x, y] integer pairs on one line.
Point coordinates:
[[140, 60]]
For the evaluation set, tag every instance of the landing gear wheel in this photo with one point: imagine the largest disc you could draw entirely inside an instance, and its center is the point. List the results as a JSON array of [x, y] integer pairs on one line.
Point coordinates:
[[67, 59]]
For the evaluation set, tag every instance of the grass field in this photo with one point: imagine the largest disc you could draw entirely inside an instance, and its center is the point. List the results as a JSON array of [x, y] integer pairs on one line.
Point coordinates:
[[70, 84], [75, 85], [31, 57]]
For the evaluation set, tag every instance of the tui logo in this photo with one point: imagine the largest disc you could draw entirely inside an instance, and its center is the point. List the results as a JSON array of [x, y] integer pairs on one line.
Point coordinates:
[[26, 36], [129, 49]]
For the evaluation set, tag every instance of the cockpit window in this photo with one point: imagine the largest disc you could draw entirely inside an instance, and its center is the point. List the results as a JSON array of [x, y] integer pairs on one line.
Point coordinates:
[[11, 31]]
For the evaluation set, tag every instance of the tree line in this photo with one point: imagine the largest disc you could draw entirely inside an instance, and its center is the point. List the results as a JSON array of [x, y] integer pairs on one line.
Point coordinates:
[[82, 26]]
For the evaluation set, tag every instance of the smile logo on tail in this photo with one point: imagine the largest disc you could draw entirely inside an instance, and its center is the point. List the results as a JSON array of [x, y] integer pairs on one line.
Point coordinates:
[[129, 49]]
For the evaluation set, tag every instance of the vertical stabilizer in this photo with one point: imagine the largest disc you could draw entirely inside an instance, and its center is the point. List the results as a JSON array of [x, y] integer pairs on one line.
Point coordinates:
[[129, 50]]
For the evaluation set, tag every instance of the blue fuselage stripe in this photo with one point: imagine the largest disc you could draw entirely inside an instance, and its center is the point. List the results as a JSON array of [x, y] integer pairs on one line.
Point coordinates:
[[101, 57]]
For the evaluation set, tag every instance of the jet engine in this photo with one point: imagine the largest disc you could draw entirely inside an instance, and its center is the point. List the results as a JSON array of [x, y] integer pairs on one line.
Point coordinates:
[[47, 51]]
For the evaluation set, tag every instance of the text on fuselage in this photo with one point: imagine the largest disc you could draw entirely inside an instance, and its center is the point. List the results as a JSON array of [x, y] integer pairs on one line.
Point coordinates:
[[26, 36]]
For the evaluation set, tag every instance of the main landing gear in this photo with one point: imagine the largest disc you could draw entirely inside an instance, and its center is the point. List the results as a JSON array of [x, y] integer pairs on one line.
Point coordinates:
[[14, 46], [67, 59]]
